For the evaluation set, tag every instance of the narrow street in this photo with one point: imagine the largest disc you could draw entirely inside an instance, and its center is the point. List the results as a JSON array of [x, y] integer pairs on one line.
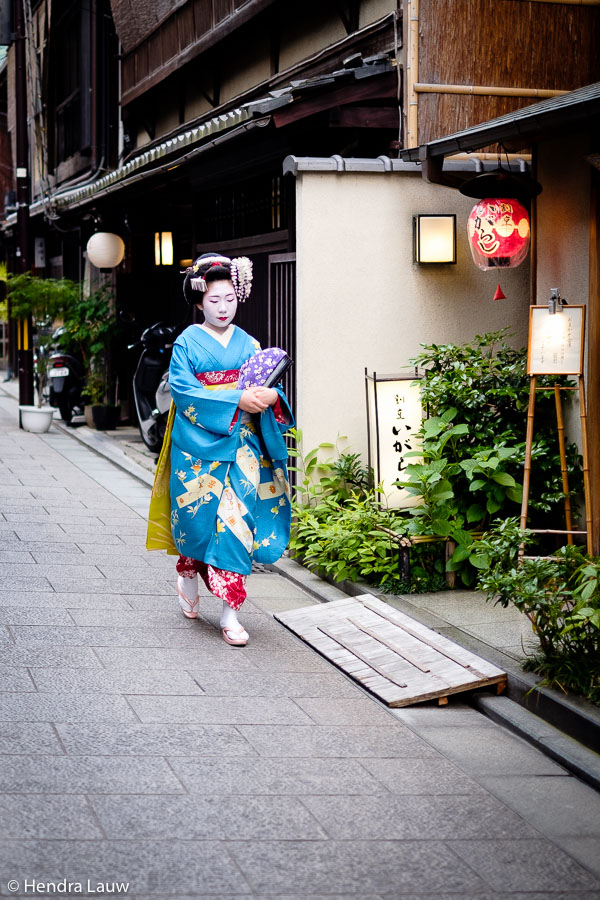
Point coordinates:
[[139, 748]]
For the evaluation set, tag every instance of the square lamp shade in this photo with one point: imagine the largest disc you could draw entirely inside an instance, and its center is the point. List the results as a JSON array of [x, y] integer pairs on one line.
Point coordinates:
[[434, 238], [163, 248]]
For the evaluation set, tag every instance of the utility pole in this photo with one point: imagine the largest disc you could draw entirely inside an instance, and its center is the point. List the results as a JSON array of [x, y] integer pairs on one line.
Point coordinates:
[[24, 336]]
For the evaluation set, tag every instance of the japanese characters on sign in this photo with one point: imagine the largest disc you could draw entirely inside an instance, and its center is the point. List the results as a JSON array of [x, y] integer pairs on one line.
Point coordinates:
[[394, 419], [555, 341]]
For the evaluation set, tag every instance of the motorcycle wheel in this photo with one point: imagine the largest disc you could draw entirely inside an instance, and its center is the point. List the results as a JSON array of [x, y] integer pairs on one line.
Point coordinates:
[[66, 411]]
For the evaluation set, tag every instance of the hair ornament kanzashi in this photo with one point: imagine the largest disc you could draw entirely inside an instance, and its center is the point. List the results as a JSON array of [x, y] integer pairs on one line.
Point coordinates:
[[198, 282], [241, 277]]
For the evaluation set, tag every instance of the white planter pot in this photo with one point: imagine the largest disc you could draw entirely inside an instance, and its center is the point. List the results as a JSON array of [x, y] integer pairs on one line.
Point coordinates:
[[36, 418]]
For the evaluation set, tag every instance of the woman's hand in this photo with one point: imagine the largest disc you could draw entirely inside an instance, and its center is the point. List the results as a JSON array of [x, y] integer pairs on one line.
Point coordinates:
[[268, 395], [251, 400]]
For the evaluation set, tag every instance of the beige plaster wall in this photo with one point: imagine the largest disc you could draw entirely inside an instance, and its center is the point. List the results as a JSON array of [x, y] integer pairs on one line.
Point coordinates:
[[362, 302], [371, 10]]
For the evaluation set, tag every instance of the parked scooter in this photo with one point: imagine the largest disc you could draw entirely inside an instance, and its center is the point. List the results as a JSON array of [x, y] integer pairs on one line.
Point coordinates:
[[66, 375], [151, 389]]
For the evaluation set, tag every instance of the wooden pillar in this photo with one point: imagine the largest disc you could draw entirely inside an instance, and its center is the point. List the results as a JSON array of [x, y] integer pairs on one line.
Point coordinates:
[[593, 360]]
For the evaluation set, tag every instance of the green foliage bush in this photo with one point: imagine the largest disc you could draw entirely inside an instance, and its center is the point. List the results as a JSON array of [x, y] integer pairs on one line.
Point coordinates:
[[473, 446], [342, 529], [560, 595], [468, 473]]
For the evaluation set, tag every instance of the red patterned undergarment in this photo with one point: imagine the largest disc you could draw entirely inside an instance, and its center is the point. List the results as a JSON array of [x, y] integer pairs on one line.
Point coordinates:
[[228, 586]]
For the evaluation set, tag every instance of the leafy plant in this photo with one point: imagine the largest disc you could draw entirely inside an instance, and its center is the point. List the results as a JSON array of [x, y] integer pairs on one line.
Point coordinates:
[[90, 327], [341, 528], [472, 446], [561, 597], [46, 300]]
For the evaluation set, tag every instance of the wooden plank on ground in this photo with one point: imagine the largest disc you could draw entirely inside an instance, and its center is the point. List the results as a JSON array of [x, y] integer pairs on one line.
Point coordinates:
[[390, 654]]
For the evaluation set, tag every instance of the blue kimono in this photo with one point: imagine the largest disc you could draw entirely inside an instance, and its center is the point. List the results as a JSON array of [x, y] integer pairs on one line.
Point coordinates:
[[230, 495]]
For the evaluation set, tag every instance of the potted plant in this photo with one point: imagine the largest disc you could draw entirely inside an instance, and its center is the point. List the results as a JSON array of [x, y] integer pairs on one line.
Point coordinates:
[[91, 326], [45, 300]]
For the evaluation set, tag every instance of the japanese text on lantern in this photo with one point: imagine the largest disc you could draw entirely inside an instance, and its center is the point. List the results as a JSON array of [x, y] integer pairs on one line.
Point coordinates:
[[401, 432], [394, 420]]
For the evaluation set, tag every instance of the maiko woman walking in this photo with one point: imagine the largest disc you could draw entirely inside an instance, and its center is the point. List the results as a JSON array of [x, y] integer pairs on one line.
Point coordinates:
[[228, 487]]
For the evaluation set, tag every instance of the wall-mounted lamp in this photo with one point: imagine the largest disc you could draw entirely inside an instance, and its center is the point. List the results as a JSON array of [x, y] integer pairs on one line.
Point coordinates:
[[434, 238], [163, 248]]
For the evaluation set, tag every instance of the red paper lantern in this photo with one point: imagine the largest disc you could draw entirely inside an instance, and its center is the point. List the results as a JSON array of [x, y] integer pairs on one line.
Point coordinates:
[[498, 232]]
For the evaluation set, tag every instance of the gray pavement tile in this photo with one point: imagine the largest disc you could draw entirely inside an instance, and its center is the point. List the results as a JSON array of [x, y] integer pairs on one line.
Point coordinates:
[[97, 601], [15, 678], [557, 806], [134, 527], [24, 816], [489, 751], [6, 639], [292, 777], [41, 551], [454, 715], [353, 868], [211, 818], [56, 656], [7, 532], [525, 865], [15, 556], [325, 741], [47, 533], [301, 660], [80, 571], [154, 740], [50, 492], [215, 658], [170, 618], [82, 774], [29, 738], [168, 868], [44, 479], [23, 585], [108, 540], [275, 585], [78, 636], [108, 586], [115, 681], [411, 818], [358, 711], [432, 775], [31, 615], [585, 850], [257, 684], [65, 707], [218, 710]]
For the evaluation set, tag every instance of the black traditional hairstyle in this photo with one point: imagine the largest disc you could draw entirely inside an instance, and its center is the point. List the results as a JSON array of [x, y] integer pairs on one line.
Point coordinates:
[[211, 267]]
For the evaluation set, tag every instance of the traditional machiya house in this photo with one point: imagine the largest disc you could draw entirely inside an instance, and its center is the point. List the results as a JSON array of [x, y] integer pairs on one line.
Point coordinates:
[[274, 129]]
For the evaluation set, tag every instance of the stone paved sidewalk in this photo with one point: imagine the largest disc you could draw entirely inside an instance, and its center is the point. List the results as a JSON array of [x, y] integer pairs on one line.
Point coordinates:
[[138, 747]]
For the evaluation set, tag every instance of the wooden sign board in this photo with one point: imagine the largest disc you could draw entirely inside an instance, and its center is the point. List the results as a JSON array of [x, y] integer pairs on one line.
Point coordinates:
[[556, 341], [390, 654]]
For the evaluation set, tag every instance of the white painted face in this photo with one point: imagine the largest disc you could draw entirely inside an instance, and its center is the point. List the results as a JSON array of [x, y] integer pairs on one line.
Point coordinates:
[[219, 304]]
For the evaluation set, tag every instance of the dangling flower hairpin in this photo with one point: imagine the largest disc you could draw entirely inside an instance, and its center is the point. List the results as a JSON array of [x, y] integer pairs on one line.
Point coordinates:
[[241, 277]]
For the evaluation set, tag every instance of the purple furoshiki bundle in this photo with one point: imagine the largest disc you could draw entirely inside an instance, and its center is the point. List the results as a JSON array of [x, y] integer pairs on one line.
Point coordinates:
[[266, 368]]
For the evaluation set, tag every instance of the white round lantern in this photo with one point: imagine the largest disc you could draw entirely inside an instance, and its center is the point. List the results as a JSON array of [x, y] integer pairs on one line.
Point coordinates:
[[105, 250]]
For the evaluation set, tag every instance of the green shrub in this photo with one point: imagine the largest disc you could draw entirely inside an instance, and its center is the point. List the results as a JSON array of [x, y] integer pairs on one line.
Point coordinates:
[[473, 446], [560, 595]]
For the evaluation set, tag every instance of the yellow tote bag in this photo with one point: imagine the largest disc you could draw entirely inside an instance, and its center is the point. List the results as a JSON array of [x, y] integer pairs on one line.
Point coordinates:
[[159, 535]]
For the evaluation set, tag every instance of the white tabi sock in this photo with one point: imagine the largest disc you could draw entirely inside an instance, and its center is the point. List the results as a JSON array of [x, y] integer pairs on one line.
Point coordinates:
[[229, 619], [188, 586]]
